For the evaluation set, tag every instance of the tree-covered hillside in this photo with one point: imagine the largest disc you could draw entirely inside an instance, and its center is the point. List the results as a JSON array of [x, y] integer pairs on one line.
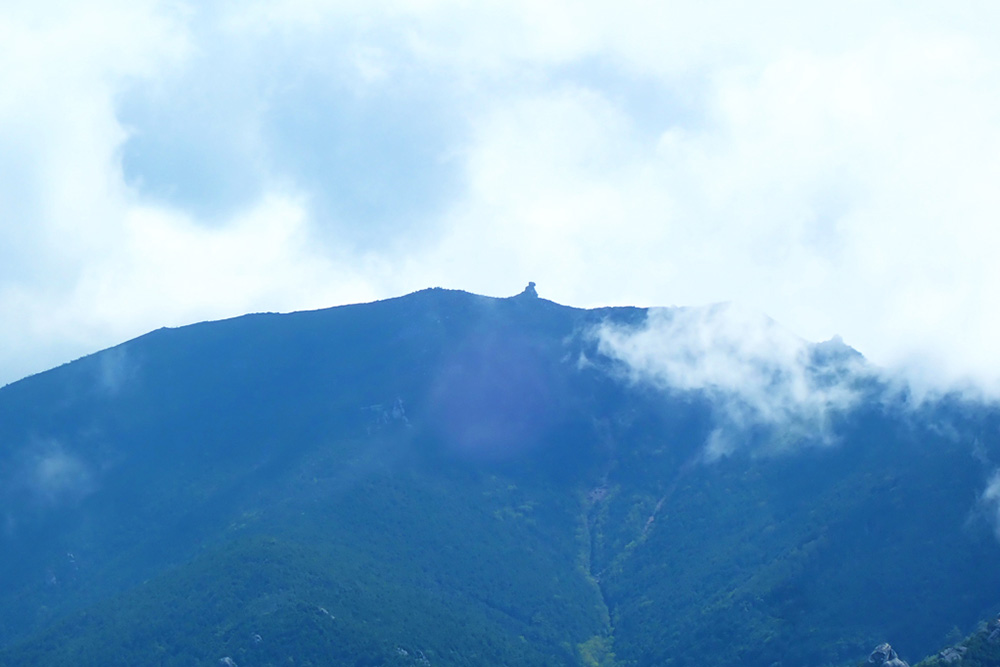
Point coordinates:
[[450, 479]]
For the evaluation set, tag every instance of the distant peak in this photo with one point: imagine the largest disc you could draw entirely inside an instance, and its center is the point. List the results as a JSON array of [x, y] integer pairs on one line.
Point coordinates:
[[530, 291]]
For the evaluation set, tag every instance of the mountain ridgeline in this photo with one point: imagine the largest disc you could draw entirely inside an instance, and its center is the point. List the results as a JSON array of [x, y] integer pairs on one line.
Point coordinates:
[[451, 479]]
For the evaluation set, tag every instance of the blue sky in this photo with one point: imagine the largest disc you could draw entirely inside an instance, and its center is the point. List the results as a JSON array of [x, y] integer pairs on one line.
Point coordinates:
[[834, 165]]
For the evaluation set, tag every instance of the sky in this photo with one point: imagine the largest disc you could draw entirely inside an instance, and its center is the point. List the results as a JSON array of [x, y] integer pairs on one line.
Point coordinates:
[[833, 165]]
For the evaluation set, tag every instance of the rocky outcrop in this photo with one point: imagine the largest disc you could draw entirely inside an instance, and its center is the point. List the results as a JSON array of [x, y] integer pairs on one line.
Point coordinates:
[[979, 648], [885, 656], [529, 292], [953, 654]]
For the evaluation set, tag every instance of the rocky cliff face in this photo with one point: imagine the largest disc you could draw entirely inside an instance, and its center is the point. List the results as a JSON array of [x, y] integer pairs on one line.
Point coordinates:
[[885, 656]]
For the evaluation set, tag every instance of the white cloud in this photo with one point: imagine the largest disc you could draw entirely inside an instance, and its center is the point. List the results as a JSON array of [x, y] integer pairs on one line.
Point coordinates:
[[87, 263], [832, 165], [166, 269], [61, 197], [756, 373], [842, 186]]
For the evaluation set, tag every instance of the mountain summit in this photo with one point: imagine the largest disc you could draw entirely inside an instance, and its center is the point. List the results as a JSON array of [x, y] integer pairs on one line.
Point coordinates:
[[451, 479]]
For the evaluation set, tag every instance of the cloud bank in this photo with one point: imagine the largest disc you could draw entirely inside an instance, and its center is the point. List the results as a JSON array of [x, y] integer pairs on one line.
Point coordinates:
[[830, 164], [758, 375]]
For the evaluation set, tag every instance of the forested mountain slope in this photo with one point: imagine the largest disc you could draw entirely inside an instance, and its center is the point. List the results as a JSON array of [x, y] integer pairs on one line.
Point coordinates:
[[451, 479]]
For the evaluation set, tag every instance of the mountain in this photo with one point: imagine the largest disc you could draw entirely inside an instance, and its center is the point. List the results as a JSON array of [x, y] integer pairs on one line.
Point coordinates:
[[451, 479]]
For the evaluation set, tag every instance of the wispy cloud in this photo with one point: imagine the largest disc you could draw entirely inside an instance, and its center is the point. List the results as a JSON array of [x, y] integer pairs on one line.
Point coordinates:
[[757, 374], [115, 368], [49, 475], [59, 476], [990, 501]]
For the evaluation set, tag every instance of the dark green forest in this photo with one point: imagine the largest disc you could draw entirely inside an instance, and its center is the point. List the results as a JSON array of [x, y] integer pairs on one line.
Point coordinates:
[[449, 479]]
